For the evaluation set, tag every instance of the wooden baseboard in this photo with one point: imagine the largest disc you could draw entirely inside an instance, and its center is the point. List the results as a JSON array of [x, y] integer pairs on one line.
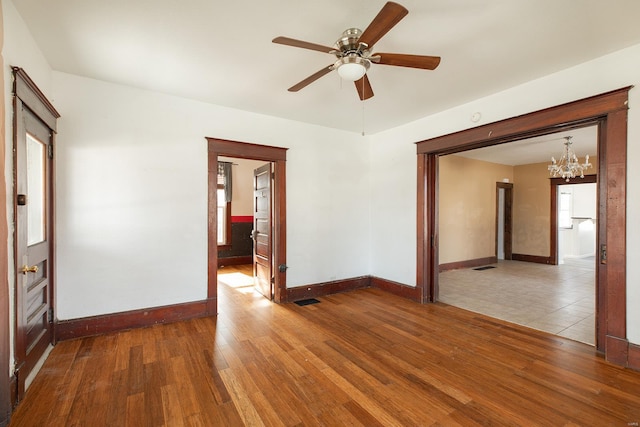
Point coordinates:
[[107, 323], [410, 292], [13, 384], [531, 258], [634, 357], [321, 289], [235, 260], [470, 263], [617, 350], [5, 415]]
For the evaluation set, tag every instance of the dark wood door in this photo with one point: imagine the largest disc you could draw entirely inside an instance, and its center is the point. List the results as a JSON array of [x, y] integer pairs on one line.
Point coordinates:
[[33, 241], [262, 231]]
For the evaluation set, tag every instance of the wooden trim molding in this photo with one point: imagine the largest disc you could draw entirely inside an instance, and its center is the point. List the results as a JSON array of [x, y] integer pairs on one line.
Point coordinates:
[[327, 288], [410, 292], [571, 115], [538, 259], [13, 384], [114, 322], [609, 112], [321, 289], [470, 263], [26, 89], [634, 357]]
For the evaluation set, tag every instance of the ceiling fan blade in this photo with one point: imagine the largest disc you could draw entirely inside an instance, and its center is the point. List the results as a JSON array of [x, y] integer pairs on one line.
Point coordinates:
[[386, 19], [304, 45], [412, 61], [312, 78], [363, 86]]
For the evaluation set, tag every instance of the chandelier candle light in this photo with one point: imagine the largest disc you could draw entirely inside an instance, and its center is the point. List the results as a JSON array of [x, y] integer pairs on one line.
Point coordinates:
[[568, 167]]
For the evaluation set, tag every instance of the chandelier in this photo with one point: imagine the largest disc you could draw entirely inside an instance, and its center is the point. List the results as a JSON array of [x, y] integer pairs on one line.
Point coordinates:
[[568, 167]]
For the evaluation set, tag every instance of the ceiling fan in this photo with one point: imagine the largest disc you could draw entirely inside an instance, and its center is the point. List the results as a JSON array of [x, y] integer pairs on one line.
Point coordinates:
[[353, 52]]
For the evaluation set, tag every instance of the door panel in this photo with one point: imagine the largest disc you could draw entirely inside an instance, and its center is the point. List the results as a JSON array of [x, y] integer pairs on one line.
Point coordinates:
[[33, 241], [262, 247]]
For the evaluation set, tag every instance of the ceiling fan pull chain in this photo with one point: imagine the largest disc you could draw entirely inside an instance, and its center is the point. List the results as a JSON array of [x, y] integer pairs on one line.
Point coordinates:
[[362, 103]]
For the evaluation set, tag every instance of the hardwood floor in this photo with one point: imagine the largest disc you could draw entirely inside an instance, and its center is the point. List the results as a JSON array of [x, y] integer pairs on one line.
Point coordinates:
[[357, 358]]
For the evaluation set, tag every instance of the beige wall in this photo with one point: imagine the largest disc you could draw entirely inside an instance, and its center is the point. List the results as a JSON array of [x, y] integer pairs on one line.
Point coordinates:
[[467, 207], [531, 209]]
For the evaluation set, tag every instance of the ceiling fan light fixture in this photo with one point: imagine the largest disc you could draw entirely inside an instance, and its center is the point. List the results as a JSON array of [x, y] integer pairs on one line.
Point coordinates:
[[352, 67]]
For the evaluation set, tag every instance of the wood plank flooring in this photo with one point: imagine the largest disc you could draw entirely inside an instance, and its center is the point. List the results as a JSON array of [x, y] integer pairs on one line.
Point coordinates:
[[359, 358]]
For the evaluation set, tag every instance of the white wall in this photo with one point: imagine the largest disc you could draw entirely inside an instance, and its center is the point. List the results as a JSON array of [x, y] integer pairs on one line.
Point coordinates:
[[393, 254], [132, 196], [132, 183], [19, 50], [131, 189]]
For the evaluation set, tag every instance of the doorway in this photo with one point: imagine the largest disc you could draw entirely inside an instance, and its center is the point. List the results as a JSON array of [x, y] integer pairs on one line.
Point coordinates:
[[276, 156], [575, 219], [523, 287], [609, 112], [245, 220], [504, 220]]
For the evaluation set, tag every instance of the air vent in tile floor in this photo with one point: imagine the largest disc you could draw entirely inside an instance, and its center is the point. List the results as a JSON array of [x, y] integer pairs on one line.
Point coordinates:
[[307, 301], [486, 267]]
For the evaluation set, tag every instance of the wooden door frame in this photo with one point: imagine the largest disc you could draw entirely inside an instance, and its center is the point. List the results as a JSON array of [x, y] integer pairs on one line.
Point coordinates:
[[277, 156], [26, 93], [609, 112], [508, 217]]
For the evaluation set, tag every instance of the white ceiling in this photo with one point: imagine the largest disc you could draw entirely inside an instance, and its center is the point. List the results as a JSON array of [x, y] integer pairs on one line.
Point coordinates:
[[221, 52], [539, 149]]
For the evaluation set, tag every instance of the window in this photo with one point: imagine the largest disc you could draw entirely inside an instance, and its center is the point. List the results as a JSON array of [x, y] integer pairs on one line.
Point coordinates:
[[564, 209], [224, 205]]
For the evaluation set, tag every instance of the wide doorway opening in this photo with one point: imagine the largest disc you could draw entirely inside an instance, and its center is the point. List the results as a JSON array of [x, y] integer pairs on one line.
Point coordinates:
[[607, 111], [529, 273]]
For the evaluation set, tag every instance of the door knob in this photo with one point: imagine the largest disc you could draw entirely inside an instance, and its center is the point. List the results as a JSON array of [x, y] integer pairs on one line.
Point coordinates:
[[26, 269]]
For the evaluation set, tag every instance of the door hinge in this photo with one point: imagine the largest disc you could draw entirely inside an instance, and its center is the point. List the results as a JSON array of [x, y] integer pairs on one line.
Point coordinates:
[[50, 151], [50, 314], [603, 254]]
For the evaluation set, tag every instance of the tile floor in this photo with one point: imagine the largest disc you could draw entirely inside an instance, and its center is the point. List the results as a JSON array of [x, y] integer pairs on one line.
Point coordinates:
[[559, 299]]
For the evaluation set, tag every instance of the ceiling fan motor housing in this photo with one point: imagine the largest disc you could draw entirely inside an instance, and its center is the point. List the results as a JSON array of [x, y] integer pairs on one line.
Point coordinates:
[[353, 61], [349, 43]]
